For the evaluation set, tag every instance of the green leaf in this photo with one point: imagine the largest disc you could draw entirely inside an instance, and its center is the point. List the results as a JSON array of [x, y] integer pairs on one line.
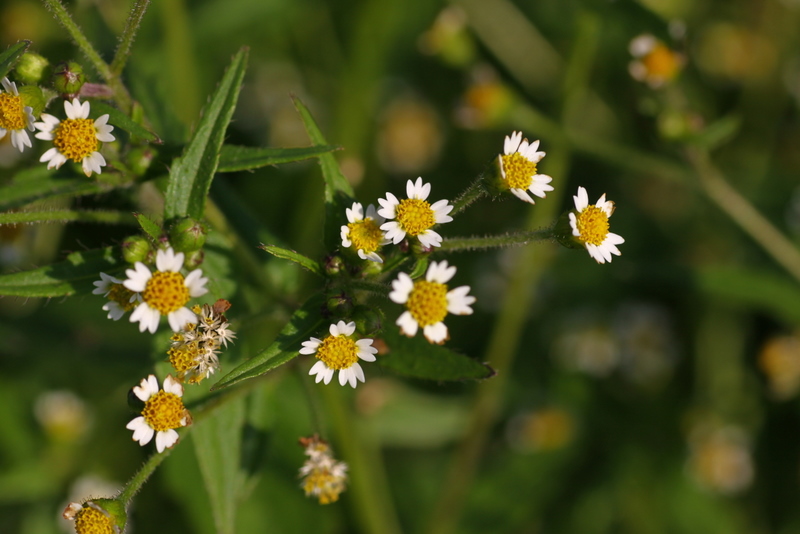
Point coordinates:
[[420, 266], [416, 357], [120, 120], [218, 445], [12, 54], [73, 275], [338, 191], [40, 182], [150, 228], [244, 158], [304, 323], [772, 293], [191, 174], [291, 255], [62, 216], [717, 133]]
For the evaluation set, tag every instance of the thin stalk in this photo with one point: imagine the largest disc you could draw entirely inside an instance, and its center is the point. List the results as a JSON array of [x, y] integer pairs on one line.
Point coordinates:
[[472, 193], [742, 212], [135, 484], [458, 244], [64, 18], [128, 35], [61, 216]]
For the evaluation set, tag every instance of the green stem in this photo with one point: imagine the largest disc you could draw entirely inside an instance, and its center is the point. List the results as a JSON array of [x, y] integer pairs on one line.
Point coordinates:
[[470, 195], [59, 216], [135, 484], [457, 244], [394, 262], [128, 35]]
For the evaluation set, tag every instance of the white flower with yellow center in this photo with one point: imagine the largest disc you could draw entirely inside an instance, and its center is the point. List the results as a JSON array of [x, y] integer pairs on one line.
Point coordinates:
[[76, 137], [364, 233], [589, 224], [14, 116], [414, 215], [655, 63], [323, 476], [518, 168], [120, 299], [339, 352], [164, 292], [163, 412], [429, 301]]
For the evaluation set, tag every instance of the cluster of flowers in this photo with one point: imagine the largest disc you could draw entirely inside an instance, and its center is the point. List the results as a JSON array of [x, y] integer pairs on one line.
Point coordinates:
[[323, 476], [75, 138]]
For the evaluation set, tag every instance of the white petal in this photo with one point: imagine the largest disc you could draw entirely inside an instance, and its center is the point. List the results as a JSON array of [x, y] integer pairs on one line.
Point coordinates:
[[458, 302], [435, 333], [137, 277], [346, 329], [440, 272], [573, 222], [430, 239], [512, 143], [356, 213], [357, 372], [440, 211], [180, 318], [327, 374], [393, 231], [147, 387], [142, 432], [581, 199], [344, 233], [365, 350], [171, 385], [115, 311], [166, 439], [147, 317], [310, 346], [168, 260], [318, 369], [344, 376], [522, 195], [408, 325], [401, 288], [196, 283], [388, 205]]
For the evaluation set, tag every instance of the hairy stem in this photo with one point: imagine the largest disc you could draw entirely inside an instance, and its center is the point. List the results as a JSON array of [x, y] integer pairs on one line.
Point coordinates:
[[128, 35], [475, 191], [457, 244]]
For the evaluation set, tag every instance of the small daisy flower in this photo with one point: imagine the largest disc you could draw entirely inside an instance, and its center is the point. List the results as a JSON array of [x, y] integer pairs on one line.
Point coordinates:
[[323, 476], [589, 224], [120, 298], [75, 138], [364, 233], [14, 116], [518, 168], [195, 349], [163, 412], [429, 301], [98, 516], [339, 352], [414, 215], [655, 63], [164, 292]]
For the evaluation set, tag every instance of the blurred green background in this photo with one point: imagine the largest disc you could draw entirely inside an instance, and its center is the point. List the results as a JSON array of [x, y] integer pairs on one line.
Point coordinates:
[[654, 394]]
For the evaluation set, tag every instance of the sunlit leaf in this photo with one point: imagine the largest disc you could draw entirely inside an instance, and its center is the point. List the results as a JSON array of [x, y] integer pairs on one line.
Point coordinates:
[[291, 255]]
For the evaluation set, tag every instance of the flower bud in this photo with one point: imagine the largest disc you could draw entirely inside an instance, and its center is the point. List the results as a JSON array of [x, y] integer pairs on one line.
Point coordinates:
[[140, 158], [188, 235], [136, 248], [31, 68], [97, 515], [68, 78], [340, 305], [563, 232], [194, 259], [334, 265], [369, 321], [32, 96]]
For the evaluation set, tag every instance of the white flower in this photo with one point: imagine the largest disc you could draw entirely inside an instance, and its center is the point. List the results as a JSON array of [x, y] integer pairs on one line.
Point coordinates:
[[163, 412], [364, 233], [164, 292], [339, 352], [120, 298], [414, 215], [655, 63], [589, 224], [323, 476], [75, 138], [429, 301], [518, 168], [14, 116]]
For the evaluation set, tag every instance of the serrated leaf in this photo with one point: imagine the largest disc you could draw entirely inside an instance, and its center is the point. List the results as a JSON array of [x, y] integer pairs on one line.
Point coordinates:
[[416, 357], [338, 191], [304, 323], [11, 55], [291, 255], [244, 158], [73, 275], [150, 228], [120, 120], [39, 182], [218, 445], [192, 173]]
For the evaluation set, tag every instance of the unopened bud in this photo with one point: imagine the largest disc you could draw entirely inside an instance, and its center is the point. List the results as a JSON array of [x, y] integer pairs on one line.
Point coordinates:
[[140, 158], [31, 68], [369, 321], [340, 305], [136, 248], [194, 259], [334, 265], [68, 78], [188, 235]]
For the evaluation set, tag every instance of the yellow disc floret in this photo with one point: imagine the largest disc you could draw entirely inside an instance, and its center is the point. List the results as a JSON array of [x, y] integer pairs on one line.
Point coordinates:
[[164, 411], [365, 235], [324, 485], [592, 224], [76, 138], [122, 296], [166, 292], [519, 170], [12, 113], [427, 302], [338, 352], [661, 62], [415, 216], [92, 521], [184, 358]]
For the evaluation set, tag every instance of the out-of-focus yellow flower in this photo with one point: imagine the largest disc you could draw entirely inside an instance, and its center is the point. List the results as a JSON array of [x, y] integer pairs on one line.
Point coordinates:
[[720, 458], [655, 63], [487, 102], [542, 430], [779, 359]]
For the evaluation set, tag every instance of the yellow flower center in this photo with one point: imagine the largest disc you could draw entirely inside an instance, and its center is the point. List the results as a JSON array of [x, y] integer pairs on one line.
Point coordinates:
[[415, 216], [592, 224], [427, 302], [76, 138], [163, 411], [184, 358], [166, 292], [519, 170], [122, 296], [92, 521], [324, 485], [338, 352], [365, 235], [661, 62], [12, 113]]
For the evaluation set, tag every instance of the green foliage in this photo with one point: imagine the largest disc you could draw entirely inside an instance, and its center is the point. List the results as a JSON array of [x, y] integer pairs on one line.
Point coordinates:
[[307, 263], [244, 158], [11, 55], [124, 122]]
